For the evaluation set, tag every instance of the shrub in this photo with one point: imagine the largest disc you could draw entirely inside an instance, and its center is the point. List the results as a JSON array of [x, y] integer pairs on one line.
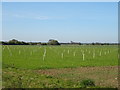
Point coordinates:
[[87, 83], [53, 42]]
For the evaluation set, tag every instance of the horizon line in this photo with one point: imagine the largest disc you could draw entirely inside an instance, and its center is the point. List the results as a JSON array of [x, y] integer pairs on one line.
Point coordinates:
[[59, 41]]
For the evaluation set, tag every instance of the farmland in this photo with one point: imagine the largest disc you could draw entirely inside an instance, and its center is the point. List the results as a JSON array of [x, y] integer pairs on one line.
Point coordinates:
[[51, 64]]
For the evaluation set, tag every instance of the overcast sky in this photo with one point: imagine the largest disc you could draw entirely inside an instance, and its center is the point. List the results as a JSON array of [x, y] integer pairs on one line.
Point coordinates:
[[65, 22]]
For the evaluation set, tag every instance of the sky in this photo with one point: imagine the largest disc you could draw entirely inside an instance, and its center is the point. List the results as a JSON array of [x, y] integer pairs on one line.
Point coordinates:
[[62, 21]]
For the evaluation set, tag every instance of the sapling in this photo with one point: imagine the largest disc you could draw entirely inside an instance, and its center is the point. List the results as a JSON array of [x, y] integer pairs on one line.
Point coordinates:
[[83, 56], [3, 48], [68, 51], [44, 54], [31, 53], [105, 53], [100, 53], [74, 54], [93, 54], [89, 52], [62, 55], [19, 52], [9, 51]]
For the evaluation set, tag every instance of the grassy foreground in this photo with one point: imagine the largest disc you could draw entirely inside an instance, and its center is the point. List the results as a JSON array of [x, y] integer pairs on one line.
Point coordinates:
[[59, 66]]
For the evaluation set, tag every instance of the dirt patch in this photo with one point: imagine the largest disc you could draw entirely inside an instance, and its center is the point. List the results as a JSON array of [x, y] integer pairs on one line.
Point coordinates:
[[103, 76], [79, 70]]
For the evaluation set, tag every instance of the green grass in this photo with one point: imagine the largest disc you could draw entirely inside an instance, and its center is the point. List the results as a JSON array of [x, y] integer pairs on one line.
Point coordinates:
[[59, 78], [17, 78], [21, 65], [31, 57]]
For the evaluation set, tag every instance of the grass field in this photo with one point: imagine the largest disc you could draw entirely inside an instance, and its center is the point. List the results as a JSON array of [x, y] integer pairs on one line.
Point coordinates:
[[59, 66], [36, 57]]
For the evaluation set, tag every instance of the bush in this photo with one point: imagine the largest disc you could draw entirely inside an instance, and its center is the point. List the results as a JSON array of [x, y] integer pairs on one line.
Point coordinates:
[[53, 42], [87, 83], [43, 43]]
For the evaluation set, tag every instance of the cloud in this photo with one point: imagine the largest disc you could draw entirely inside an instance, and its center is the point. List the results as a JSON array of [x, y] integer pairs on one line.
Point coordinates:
[[42, 18], [18, 16], [37, 17]]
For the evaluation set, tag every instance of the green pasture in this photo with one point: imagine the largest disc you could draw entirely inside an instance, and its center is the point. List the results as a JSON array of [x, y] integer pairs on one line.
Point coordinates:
[[44, 57]]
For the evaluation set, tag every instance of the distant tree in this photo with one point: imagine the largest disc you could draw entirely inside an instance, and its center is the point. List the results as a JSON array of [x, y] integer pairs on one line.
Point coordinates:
[[16, 42], [93, 43], [39, 43], [80, 43], [43, 43], [34, 43], [97, 43], [4, 43], [24, 43], [0, 43], [53, 42], [102, 43], [106, 44], [13, 42], [30, 43]]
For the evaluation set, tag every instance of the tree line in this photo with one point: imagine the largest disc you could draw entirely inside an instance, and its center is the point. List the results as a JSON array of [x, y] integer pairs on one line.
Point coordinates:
[[50, 42], [16, 42]]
